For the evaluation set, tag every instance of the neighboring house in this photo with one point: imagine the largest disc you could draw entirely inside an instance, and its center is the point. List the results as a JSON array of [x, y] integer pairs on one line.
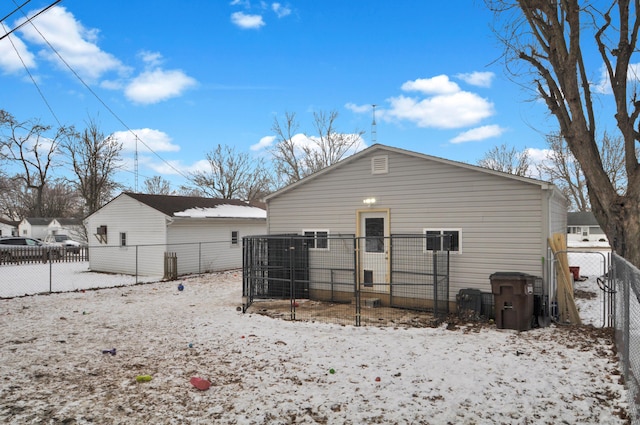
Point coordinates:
[[71, 227], [132, 233], [8, 227], [500, 222], [34, 227], [583, 229]]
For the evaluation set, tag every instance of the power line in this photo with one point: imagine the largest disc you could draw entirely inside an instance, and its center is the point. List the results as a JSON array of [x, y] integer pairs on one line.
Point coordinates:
[[28, 19], [14, 10], [33, 80], [100, 99]]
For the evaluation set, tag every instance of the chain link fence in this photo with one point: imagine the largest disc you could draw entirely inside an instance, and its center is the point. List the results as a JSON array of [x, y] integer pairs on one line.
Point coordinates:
[[626, 280], [111, 266]]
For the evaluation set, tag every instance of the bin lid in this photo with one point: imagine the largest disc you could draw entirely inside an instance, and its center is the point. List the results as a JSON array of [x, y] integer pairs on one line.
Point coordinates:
[[510, 275]]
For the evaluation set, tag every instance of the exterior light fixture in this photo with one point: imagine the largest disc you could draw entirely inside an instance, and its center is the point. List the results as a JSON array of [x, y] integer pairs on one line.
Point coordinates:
[[369, 201]]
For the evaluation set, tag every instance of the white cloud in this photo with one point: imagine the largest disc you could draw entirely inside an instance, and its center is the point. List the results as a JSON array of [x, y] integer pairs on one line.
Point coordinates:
[[152, 59], [264, 143], [280, 10], [439, 84], [358, 109], [442, 105], [245, 21], [480, 79], [603, 86], [78, 47], [157, 85], [455, 110], [10, 61], [478, 133], [148, 138], [75, 43]]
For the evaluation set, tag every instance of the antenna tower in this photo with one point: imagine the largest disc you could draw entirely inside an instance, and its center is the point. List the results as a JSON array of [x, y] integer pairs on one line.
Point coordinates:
[[135, 164], [374, 133]]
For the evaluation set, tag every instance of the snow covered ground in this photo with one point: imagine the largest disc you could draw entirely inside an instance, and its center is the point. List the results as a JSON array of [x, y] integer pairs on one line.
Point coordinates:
[[269, 371]]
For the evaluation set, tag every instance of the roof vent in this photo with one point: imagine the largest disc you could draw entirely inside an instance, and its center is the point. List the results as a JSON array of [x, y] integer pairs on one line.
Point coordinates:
[[380, 164]]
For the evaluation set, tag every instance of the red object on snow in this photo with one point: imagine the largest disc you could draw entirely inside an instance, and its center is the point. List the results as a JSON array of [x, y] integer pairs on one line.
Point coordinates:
[[575, 271], [201, 384]]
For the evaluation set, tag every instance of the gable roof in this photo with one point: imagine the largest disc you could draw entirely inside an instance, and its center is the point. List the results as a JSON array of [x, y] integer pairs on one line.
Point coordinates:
[[69, 221], [38, 221], [192, 206], [9, 222], [582, 218], [384, 148]]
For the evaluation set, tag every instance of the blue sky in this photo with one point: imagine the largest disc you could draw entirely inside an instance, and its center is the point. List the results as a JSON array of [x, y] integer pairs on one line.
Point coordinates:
[[186, 76]]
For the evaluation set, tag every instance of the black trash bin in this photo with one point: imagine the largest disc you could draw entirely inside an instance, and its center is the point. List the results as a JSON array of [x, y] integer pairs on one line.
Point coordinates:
[[513, 300]]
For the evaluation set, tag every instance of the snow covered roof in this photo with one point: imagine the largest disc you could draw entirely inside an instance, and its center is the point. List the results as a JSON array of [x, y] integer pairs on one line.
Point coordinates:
[[196, 207], [224, 210]]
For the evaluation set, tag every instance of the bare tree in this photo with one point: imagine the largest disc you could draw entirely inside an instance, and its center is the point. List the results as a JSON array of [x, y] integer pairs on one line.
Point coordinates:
[[14, 200], [61, 200], [157, 185], [296, 155], [287, 156], [548, 38], [28, 146], [232, 175], [561, 168], [501, 158], [94, 159]]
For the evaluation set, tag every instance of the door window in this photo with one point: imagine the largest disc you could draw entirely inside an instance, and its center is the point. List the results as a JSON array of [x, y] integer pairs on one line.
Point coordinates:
[[374, 234]]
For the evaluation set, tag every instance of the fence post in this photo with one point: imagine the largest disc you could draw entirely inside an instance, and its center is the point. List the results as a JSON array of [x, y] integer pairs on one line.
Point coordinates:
[[136, 264], [356, 261], [292, 286], [626, 285], [435, 282], [50, 275]]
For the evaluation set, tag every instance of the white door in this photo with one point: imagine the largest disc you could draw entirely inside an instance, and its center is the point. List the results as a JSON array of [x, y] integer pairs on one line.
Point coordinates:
[[374, 250]]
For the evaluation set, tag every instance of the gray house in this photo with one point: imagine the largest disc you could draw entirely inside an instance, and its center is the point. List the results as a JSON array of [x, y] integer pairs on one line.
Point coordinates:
[[138, 234], [584, 230], [495, 222]]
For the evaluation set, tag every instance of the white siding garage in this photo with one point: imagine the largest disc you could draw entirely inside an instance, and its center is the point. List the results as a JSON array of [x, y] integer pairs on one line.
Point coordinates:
[[132, 233]]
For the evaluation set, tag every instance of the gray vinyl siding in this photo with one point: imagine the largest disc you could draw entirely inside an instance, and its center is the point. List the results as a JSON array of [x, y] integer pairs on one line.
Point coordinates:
[[558, 208], [204, 246], [503, 220]]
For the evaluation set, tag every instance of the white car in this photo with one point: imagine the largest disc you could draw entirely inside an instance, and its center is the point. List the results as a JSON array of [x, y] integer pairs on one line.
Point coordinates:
[[64, 241]]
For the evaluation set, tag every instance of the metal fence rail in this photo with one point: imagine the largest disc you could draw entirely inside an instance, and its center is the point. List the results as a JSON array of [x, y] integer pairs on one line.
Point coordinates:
[[41, 272], [346, 279], [626, 280]]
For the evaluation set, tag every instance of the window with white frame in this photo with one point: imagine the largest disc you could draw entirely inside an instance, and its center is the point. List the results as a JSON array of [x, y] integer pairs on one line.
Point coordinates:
[[235, 236], [443, 240], [318, 239], [123, 239]]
